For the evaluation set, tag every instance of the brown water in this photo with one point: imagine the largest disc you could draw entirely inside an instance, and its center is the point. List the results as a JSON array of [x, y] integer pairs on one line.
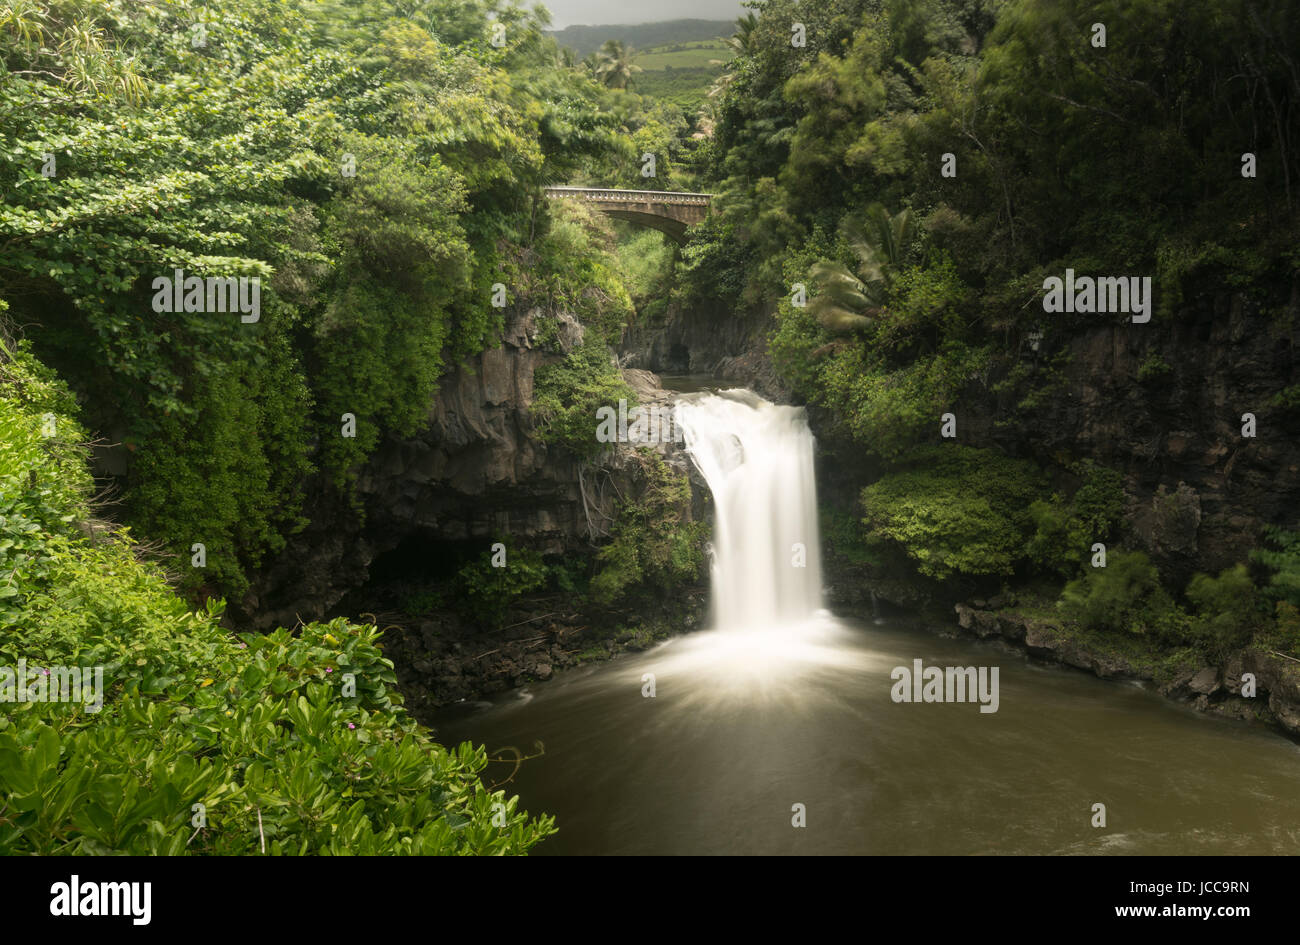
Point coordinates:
[[741, 730], [691, 383]]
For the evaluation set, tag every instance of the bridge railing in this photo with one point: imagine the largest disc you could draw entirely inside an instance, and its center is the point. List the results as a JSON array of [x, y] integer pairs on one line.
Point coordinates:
[[630, 196]]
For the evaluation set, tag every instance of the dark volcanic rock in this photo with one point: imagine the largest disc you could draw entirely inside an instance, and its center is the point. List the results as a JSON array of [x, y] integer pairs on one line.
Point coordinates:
[[704, 340], [1212, 689], [1198, 492], [476, 473]]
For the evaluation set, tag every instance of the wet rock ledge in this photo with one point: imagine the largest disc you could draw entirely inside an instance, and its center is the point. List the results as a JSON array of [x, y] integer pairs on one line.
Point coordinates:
[[442, 660], [1216, 689]]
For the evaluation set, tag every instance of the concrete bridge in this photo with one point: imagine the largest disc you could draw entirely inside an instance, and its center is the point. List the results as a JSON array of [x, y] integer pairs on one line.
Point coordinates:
[[666, 211]]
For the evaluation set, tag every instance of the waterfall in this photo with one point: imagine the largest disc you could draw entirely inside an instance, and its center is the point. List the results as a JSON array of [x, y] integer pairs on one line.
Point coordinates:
[[757, 458]]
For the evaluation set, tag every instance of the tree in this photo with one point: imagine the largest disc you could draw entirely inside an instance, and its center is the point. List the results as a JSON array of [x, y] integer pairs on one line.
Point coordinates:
[[849, 301], [741, 43], [614, 65], [374, 168]]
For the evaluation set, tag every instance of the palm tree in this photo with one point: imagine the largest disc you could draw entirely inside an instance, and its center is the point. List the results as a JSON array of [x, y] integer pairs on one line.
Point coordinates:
[[743, 41], [849, 301], [614, 65]]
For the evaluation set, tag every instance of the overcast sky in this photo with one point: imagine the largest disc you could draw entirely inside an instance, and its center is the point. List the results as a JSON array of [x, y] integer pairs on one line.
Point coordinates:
[[599, 12]]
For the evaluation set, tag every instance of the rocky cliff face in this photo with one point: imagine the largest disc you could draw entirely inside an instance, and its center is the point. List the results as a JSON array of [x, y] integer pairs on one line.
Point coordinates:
[[477, 473], [727, 345], [478, 470], [1164, 403]]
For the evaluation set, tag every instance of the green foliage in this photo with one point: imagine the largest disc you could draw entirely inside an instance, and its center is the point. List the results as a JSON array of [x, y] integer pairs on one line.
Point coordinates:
[[486, 592], [646, 261], [257, 728], [1228, 611], [376, 167], [1063, 156], [575, 269], [928, 303], [422, 602], [1285, 633], [846, 538], [569, 575], [402, 281], [568, 393], [1283, 559], [1125, 596], [614, 64], [653, 542], [1153, 367], [888, 384], [652, 127], [713, 264], [229, 476], [956, 510], [1288, 398], [1064, 532], [890, 409], [685, 87]]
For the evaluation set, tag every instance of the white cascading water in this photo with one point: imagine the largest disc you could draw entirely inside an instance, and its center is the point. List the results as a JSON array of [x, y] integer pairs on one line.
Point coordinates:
[[757, 458]]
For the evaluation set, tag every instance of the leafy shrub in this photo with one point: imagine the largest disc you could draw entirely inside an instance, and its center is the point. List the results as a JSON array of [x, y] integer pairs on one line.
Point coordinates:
[[1283, 559], [652, 541], [1126, 596], [1153, 367], [227, 475], [956, 510], [714, 265], [567, 394], [845, 537], [1288, 398], [575, 270], [569, 575], [646, 260], [1285, 634], [925, 305], [1065, 531], [486, 592], [1227, 610], [264, 731], [889, 409]]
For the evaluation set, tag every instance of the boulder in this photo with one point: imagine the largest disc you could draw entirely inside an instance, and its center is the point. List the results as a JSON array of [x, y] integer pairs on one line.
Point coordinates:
[[1206, 682]]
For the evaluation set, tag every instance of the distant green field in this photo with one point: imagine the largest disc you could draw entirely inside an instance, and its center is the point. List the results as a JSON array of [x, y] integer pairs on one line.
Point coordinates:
[[694, 55], [680, 72], [686, 88], [587, 39]]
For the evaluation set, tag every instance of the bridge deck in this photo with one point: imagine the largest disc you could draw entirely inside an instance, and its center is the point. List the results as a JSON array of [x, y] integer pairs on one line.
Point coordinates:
[[613, 195]]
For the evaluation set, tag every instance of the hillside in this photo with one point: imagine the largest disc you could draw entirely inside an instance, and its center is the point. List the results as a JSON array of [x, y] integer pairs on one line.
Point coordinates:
[[584, 40]]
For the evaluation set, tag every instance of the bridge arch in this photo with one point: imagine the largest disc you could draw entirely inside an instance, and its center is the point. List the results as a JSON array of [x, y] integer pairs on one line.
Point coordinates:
[[669, 212]]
